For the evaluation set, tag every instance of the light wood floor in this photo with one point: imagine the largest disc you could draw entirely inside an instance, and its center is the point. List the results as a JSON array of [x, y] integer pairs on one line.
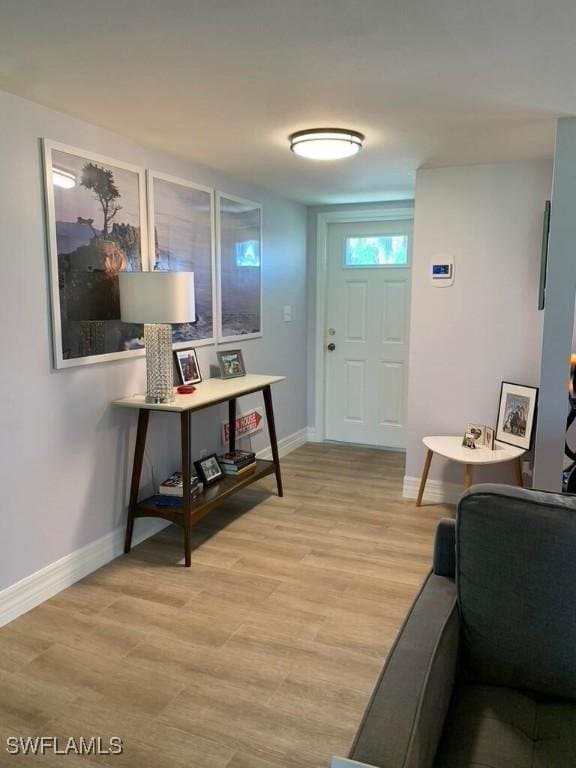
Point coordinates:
[[261, 655]]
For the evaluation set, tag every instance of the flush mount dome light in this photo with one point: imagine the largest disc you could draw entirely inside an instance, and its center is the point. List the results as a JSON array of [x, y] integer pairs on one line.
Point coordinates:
[[326, 143]]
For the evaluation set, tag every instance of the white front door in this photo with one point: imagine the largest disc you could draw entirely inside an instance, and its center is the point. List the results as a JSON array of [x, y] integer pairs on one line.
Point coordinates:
[[366, 340]]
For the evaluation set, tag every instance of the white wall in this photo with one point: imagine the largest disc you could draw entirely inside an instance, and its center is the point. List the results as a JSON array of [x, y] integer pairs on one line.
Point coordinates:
[[466, 339], [65, 453], [559, 313]]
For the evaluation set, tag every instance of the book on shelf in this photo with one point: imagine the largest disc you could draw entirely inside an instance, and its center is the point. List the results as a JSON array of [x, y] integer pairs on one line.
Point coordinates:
[[167, 501], [174, 485], [170, 500], [236, 459], [230, 470]]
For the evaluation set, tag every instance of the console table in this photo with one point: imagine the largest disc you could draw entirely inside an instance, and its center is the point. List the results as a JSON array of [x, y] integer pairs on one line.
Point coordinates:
[[208, 393]]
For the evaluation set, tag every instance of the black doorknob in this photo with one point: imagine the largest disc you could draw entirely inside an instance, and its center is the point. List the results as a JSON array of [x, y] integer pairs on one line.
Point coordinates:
[[331, 347]]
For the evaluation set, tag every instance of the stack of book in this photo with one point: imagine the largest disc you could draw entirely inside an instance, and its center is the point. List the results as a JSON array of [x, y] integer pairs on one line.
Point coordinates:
[[237, 463], [174, 486]]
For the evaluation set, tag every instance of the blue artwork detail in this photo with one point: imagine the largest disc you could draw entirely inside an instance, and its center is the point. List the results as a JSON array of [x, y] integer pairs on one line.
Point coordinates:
[[248, 253]]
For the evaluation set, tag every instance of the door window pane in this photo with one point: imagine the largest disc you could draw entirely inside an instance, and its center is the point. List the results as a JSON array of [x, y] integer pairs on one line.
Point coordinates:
[[376, 251]]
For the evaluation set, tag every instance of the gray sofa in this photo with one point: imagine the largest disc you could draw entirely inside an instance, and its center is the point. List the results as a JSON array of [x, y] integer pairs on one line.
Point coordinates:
[[483, 672]]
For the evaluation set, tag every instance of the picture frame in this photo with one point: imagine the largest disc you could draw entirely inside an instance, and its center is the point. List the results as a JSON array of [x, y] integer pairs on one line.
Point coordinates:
[[517, 414], [96, 227], [231, 363], [208, 469], [187, 366], [182, 238], [489, 438], [477, 434], [544, 256], [239, 262], [468, 441]]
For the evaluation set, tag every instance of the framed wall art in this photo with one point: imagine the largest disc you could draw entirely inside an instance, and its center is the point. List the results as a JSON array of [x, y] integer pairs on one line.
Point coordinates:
[[96, 220], [516, 415], [239, 246], [181, 224]]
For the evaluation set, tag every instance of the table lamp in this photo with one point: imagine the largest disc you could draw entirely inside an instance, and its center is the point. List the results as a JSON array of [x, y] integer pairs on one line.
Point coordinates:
[[157, 299]]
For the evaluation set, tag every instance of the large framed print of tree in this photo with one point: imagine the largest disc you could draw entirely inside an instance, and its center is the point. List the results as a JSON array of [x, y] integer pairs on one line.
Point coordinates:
[[181, 231], [96, 218], [239, 244]]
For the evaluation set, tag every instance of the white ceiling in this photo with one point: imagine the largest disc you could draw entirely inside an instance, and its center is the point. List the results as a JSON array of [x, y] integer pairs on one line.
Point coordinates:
[[223, 82]]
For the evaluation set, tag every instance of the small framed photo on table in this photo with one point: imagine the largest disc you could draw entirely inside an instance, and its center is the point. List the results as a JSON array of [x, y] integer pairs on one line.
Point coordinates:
[[489, 438], [187, 365], [208, 469], [231, 364], [475, 434], [517, 415]]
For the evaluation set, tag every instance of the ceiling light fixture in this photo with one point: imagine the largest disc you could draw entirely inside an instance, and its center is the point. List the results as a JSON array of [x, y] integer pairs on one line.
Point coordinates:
[[326, 143], [64, 179]]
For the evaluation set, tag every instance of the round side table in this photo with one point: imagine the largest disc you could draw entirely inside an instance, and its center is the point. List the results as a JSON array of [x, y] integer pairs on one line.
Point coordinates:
[[451, 448]]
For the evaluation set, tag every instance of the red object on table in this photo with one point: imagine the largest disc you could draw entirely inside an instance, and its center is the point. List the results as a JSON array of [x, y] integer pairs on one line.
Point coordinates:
[[185, 389]]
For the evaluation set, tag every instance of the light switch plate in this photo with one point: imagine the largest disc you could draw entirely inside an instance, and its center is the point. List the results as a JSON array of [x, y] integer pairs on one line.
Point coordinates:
[[287, 313]]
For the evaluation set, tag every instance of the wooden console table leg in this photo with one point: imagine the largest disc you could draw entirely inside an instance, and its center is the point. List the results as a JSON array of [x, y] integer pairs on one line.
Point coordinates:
[[272, 433], [518, 472], [232, 424], [186, 476], [425, 470], [467, 476], [143, 417]]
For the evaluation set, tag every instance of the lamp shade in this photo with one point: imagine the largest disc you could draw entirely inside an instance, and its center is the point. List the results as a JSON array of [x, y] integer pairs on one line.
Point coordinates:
[[157, 297]]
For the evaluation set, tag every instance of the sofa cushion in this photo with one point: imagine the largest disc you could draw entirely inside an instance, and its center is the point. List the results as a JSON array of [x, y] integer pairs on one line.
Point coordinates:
[[497, 727], [516, 582]]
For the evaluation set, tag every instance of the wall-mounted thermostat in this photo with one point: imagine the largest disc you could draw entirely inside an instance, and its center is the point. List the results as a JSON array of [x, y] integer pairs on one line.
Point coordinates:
[[442, 271]]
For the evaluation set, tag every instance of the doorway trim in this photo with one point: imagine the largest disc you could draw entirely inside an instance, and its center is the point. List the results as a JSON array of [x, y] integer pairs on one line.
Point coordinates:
[[380, 213]]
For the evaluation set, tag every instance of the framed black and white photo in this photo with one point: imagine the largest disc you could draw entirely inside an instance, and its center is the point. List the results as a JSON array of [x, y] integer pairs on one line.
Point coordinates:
[[96, 219], [187, 365], [516, 415], [181, 219], [231, 364], [239, 246], [208, 469]]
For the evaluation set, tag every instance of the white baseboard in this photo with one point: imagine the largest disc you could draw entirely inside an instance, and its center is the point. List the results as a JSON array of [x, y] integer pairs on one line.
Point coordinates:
[[286, 445], [313, 435], [47, 582], [436, 490]]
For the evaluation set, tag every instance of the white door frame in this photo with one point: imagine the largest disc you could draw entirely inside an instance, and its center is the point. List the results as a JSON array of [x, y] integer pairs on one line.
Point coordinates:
[[383, 213]]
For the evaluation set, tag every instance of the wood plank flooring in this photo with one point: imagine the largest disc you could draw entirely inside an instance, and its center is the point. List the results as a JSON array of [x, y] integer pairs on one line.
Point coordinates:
[[263, 654]]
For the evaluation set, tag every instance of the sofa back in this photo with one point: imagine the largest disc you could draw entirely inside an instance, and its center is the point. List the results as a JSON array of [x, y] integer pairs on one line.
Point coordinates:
[[516, 586]]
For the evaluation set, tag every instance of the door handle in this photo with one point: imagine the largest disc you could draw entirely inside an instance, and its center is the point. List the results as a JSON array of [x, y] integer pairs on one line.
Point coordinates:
[[331, 347]]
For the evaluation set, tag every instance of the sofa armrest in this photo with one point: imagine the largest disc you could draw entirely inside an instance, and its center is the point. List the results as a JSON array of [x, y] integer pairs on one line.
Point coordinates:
[[444, 561], [402, 725]]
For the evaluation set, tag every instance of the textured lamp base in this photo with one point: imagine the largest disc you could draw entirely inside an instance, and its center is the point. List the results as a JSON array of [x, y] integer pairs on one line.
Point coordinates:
[[159, 371]]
